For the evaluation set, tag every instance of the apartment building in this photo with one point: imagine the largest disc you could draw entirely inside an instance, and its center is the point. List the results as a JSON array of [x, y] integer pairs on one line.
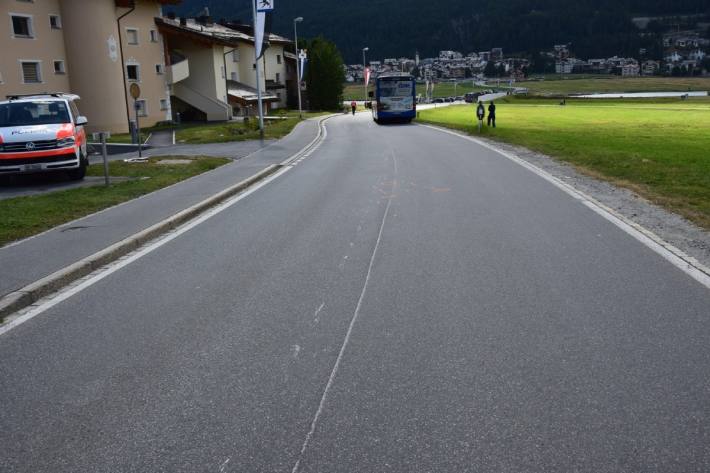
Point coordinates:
[[93, 48], [212, 72]]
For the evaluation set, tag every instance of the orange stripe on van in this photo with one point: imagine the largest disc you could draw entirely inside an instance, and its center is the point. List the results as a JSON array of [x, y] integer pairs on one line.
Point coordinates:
[[37, 154]]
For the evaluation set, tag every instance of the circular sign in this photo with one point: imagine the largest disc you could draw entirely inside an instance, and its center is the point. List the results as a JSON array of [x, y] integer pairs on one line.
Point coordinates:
[[135, 91]]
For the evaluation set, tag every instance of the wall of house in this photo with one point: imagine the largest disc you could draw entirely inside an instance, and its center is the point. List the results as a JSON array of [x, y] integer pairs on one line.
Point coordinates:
[[148, 54], [274, 68], [45, 46], [95, 63], [204, 88]]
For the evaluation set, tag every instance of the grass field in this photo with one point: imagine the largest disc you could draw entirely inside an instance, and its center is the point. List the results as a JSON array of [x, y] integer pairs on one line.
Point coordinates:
[[658, 148], [220, 132], [589, 84], [25, 216]]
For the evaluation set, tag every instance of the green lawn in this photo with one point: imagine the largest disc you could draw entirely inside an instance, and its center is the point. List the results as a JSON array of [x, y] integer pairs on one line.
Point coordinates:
[[658, 148], [25, 216], [585, 84], [220, 132]]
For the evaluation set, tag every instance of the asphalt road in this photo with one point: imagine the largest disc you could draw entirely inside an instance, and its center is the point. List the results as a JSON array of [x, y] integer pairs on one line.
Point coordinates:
[[402, 301]]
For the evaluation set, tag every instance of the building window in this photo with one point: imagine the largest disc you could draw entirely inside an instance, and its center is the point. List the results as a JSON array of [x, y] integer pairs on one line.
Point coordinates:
[[1, 81], [55, 22], [159, 69], [133, 72], [235, 55], [163, 104], [132, 35], [234, 76], [278, 59], [153, 36], [141, 108], [278, 77], [59, 67], [31, 73], [221, 68], [22, 26]]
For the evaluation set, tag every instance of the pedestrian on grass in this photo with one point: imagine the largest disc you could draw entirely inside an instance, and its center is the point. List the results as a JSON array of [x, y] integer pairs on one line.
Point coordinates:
[[353, 105], [492, 114], [480, 114]]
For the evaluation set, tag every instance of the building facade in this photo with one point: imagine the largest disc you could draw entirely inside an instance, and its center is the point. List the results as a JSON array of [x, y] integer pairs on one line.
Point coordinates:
[[93, 48], [212, 72]]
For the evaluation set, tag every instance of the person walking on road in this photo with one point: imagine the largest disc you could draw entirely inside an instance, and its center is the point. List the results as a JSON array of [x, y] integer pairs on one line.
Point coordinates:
[[480, 114], [353, 105], [492, 114]]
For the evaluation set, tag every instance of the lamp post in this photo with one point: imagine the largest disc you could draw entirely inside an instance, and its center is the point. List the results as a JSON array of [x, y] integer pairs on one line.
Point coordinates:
[[364, 66], [296, 21]]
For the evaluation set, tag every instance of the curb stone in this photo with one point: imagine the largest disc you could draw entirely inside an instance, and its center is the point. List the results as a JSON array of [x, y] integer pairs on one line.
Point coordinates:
[[31, 293]]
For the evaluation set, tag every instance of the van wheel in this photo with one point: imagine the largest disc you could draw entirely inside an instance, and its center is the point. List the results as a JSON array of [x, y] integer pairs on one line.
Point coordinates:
[[78, 174]]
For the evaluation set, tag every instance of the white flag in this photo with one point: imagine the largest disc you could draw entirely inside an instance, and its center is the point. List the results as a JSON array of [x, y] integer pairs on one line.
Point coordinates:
[[259, 31]]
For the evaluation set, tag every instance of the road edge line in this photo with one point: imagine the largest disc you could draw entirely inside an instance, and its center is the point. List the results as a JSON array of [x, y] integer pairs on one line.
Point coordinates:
[[677, 257], [31, 293]]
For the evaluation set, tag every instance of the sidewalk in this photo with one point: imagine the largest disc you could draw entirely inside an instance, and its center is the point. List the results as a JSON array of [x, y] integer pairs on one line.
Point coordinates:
[[34, 258]]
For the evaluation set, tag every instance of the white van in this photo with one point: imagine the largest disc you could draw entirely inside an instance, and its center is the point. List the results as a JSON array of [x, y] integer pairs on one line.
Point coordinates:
[[42, 133]]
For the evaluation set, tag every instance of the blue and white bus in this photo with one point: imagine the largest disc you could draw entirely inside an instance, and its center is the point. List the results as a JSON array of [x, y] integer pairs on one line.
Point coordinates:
[[394, 98]]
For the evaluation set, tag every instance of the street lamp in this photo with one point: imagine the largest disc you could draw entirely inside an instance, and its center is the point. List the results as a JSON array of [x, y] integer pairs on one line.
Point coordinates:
[[364, 66], [296, 21]]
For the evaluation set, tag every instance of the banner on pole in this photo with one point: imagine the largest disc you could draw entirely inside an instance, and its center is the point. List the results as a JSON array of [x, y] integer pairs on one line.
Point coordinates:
[[367, 76], [303, 59], [262, 28]]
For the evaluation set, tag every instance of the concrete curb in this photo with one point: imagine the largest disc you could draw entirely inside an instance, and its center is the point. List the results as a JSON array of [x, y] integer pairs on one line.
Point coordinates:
[[33, 292], [28, 295]]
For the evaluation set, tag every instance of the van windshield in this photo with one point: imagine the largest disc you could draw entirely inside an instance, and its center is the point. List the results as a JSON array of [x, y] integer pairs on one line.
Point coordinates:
[[33, 113]]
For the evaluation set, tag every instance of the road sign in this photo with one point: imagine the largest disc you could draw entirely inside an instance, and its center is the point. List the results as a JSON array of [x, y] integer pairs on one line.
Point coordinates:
[[264, 5], [135, 91]]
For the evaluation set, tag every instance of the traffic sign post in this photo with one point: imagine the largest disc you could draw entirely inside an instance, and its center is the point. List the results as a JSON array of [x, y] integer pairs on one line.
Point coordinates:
[[135, 91]]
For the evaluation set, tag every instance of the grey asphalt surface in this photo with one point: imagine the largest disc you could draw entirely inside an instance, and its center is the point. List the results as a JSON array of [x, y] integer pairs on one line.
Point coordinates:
[[37, 257], [504, 327]]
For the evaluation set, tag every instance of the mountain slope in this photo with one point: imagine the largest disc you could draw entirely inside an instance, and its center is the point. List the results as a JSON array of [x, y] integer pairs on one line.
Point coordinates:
[[400, 27]]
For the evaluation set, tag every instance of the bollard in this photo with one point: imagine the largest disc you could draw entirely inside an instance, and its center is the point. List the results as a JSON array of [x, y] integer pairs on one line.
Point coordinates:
[[104, 154]]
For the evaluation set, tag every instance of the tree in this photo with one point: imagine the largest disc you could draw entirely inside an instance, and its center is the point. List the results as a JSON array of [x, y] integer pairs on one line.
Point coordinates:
[[490, 69], [325, 75]]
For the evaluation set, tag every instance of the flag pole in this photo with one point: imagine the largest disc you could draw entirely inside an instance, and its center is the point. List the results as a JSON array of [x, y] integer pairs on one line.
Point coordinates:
[[258, 75]]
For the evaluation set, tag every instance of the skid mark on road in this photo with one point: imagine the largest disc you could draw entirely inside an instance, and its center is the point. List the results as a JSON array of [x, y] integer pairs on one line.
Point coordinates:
[[353, 320]]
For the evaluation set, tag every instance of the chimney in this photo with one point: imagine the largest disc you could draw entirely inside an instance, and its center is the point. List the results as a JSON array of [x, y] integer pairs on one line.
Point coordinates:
[[183, 21]]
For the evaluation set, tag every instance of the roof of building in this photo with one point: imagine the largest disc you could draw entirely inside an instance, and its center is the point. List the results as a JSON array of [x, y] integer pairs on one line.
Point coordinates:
[[246, 94], [213, 32]]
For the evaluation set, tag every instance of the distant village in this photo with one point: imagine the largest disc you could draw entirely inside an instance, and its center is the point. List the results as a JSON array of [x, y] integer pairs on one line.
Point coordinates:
[[685, 54]]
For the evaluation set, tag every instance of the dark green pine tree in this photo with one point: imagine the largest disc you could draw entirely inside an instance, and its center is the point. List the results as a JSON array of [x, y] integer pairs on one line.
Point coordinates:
[[325, 75]]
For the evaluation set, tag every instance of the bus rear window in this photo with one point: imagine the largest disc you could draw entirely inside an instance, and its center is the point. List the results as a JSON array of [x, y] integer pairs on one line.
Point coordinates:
[[396, 88]]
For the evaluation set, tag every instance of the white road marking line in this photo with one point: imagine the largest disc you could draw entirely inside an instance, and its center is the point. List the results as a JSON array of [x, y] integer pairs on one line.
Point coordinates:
[[224, 465], [53, 300], [675, 256], [348, 334], [318, 310]]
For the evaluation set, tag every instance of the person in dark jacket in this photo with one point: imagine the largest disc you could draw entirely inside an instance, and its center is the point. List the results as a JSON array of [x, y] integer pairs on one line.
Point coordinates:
[[492, 114]]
